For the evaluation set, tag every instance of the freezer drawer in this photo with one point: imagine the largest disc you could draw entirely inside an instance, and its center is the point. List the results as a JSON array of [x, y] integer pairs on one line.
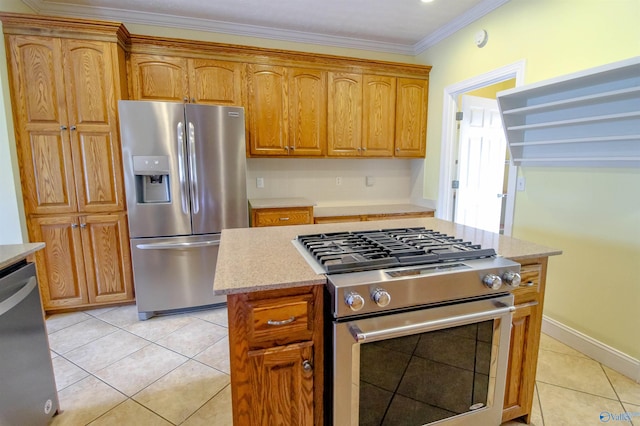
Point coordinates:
[[174, 273]]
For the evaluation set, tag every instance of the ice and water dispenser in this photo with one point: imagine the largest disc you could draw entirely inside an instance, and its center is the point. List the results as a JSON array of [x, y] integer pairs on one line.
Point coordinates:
[[152, 179]]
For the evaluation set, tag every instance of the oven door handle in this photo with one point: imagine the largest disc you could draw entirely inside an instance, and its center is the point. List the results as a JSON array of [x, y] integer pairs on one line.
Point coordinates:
[[404, 327]]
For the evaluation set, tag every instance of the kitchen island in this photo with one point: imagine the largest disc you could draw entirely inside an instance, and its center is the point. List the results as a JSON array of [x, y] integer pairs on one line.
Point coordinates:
[[278, 376]]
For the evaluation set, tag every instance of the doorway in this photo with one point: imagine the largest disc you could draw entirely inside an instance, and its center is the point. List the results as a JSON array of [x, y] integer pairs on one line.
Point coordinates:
[[449, 148]]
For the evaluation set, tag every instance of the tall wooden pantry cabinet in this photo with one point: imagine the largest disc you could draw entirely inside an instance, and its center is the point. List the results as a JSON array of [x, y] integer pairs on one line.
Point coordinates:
[[66, 78]]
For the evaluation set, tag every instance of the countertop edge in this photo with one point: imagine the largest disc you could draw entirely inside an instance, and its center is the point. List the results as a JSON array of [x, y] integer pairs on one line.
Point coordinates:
[[12, 253], [322, 280]]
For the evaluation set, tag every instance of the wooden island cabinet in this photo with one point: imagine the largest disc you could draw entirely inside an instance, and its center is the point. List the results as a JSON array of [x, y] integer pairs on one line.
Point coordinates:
[[275, 324], [276, 356]]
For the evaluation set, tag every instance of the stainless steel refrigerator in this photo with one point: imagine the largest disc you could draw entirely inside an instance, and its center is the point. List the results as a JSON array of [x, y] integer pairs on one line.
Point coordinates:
[[185, 181]]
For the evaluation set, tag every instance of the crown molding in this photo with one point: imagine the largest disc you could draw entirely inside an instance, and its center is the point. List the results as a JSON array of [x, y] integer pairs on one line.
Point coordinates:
[[457, 24], [199, 24]]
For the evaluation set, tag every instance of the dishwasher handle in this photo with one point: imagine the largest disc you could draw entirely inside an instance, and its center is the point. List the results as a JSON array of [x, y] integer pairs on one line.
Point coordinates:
[[16, 298]]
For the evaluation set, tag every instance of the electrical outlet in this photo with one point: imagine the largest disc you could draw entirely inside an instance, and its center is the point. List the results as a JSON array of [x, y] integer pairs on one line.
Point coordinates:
[[370, 181], [520, 183], [260, 182], [338, 180]]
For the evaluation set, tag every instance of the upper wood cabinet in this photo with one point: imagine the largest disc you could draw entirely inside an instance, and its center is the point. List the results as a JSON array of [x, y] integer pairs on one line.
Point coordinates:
[[344, 136], [267, 107], [378, 115], [411, 117], [307, 111], [286, 110], [64, 103], [178, 79]]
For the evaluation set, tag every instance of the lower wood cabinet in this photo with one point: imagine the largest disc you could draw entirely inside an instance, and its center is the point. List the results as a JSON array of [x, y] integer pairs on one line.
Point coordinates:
[[525, 340], [276, 356], [282, 216], [366, 217], [86, 260]]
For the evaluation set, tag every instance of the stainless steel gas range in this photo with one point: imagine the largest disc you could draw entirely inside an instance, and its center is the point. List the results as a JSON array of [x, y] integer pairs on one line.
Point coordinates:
[[419, 324]]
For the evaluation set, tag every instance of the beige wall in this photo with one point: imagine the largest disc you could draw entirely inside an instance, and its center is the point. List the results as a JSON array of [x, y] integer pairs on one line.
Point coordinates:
[[593, 215]]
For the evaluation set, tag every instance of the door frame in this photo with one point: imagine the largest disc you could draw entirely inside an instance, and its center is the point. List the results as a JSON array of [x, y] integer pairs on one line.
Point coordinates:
[[450, 138]]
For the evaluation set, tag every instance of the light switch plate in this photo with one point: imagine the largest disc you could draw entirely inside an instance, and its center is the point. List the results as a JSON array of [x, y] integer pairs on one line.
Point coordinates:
[[520, 183], [260, 182]]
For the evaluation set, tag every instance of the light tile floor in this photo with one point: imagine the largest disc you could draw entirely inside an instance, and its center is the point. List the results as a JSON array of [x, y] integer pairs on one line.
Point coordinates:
[[112, 369]]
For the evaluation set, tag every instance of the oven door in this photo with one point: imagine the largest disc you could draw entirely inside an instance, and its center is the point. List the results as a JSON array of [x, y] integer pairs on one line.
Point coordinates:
[[439, 365]]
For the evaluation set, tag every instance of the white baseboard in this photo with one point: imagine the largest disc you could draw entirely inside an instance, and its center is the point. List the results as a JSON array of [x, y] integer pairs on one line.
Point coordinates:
[[612, 358]]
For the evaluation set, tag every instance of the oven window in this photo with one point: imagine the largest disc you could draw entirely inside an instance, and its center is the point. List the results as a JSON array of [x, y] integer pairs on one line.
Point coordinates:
[[426, 377]]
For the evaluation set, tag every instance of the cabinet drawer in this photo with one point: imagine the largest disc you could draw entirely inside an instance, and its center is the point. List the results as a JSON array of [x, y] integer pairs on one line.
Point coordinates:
[[529, 284], [275, 322], [282, 217]]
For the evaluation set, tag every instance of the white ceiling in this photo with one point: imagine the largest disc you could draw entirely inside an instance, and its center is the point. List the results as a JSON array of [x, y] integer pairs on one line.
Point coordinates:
[[395, 26]]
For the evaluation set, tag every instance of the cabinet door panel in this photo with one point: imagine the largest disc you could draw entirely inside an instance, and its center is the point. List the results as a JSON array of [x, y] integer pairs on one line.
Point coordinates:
[[286, 388], [106, 250], [37, 81], [214, 82], [98, 168], [379, 115], [39, 113], [159, 78], [47, 166], [411, 117], [344, 136], [267, 109], [89, 82], [61, 273], [308, 111], [522, 361], [91, 98]]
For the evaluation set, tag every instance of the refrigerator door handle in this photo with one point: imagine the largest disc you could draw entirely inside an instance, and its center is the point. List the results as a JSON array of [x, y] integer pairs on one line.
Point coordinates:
[[181, 169], [174, 246], [195, 203]]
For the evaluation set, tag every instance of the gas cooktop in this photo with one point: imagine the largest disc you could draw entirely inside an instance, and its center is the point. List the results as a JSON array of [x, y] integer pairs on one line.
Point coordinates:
[[342, 252]]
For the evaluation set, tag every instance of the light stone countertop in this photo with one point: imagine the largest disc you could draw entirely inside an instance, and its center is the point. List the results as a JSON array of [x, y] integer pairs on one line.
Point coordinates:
[[256, 259], [276, 203], [12, 253], [356, 210]]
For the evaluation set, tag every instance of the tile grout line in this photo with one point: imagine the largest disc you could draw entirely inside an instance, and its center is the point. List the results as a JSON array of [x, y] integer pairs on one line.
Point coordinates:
[[127, 397]]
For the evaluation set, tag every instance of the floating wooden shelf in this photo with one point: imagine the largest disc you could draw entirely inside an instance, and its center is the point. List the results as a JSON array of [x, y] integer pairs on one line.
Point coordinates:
[[589, 118]]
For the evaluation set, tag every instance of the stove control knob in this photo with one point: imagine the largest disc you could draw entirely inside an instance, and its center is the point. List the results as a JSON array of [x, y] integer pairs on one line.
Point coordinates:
[[492, 281], [381, 297], [511, 278], [354, 301]]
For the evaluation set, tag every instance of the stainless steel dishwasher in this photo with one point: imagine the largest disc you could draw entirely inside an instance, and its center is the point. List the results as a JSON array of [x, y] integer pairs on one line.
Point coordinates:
[[27, 386]]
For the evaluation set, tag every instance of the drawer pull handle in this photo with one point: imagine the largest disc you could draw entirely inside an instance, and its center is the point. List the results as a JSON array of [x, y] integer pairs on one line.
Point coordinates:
[[283, 322], [306, 365], [284, 218]]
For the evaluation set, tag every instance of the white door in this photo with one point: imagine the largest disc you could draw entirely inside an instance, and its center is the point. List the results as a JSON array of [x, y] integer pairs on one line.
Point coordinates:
[[481, 164]]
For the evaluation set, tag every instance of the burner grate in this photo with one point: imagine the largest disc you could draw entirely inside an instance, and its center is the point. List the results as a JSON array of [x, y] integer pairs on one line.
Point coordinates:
[[377, 249]]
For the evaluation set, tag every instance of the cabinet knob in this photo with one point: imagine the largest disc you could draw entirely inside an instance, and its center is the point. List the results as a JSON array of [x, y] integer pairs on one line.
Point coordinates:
[[73, 127], [83, 225], [63, 127], [186, 99], [74, 225], [397, 149], [306, 365], [292, 148], [193, 100]]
